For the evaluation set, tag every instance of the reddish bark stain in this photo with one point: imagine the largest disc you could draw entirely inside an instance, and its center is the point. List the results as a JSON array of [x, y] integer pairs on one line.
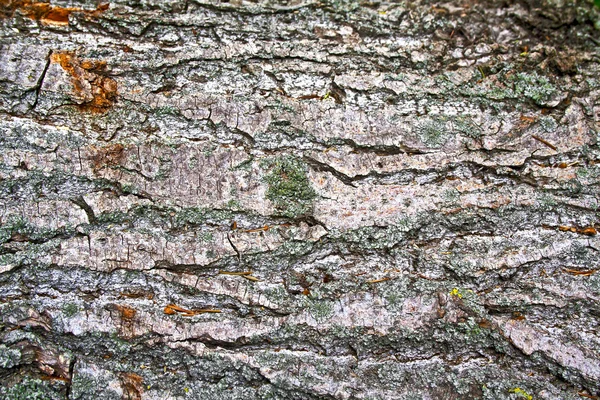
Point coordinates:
[[96, 91], [44, 11]]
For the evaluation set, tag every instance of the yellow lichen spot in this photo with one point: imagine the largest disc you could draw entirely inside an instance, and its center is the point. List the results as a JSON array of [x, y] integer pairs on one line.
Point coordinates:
[[186, 389], [456, 292], [521, 393]]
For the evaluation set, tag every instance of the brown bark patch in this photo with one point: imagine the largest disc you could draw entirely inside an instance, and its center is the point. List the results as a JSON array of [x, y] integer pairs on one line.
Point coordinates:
[[138, 294], [107, 156], [132, 386], [171, 309], [44, 12], [93, 91], [52, 364], [572, 271], [588, 231], [127, 313], [127, 316]]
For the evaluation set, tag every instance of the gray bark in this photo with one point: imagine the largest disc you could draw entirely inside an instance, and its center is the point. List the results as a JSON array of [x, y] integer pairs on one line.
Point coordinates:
[[299, 200]]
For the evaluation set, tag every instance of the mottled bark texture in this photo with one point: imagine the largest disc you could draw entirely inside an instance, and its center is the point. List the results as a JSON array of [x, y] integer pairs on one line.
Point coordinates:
[[299, 199]]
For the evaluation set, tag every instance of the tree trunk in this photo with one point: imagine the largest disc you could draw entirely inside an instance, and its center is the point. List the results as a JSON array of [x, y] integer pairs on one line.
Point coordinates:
[[299, 200]]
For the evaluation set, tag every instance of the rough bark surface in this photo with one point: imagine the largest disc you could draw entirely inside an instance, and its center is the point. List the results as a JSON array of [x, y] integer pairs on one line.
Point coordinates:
[[299, 200]]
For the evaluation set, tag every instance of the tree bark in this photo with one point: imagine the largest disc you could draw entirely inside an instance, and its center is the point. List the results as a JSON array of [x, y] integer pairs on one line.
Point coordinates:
[[299, 200]]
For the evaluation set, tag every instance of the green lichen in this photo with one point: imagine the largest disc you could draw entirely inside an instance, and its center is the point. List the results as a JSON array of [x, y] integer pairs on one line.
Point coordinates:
[[210, 254], [127, 188], [118, 343], [32, 254], [164, 169], [29, 389], [464, 267], [572, 187], [394, 292], [467, 333], [114, 217], [288, 187], [374, 238], [234, 205], [9, 357], [209, 150], [451, 196], [321, 310], [199, 216], [83, 384], [245, 165], [276, 294], [206, 237], [473, 330], [433, 133], [537, 88], [166, 110], [589, 175], [16, 225], [548, 124], [192, 162], [546, 202], [404, 223], [70, 309], [464, 126]]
